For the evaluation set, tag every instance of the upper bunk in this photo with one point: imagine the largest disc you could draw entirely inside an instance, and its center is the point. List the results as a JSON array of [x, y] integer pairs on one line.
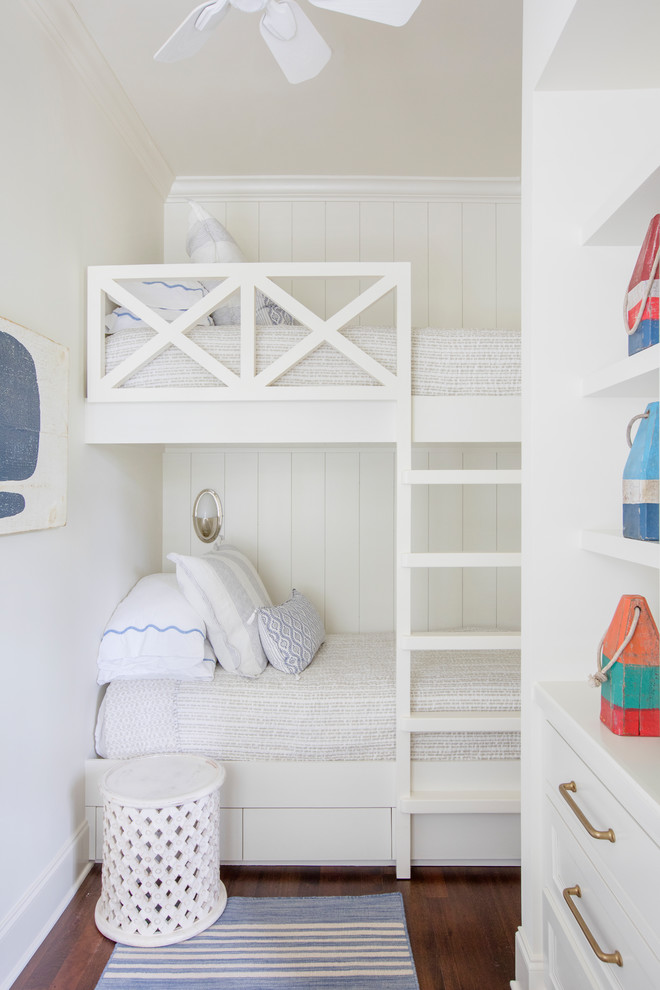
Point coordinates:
[[240, 354]]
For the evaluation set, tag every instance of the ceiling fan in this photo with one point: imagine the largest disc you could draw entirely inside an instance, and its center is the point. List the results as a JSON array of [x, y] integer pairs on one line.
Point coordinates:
[[296, 45]]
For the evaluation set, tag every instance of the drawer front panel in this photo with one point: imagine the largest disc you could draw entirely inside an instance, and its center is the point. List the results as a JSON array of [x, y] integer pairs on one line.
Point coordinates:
[[569, 866], [565, 968], [630, 864], [317, 835]]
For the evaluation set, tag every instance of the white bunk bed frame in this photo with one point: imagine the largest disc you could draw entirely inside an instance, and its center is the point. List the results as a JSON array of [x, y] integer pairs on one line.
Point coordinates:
[[357, 812]]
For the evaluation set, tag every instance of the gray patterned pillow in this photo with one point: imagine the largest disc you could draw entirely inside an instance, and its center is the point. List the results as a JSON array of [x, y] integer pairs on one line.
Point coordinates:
[[291, 633]]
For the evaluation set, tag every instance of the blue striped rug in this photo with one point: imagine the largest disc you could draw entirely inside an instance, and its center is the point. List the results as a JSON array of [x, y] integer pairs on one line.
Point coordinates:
[[310, 943]]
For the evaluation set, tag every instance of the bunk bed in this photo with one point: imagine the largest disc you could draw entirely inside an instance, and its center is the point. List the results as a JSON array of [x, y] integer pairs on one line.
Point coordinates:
[[413, 742]]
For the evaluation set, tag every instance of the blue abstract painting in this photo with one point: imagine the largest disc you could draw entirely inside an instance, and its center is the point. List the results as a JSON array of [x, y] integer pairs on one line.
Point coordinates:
[[20, 419], [33, 430]]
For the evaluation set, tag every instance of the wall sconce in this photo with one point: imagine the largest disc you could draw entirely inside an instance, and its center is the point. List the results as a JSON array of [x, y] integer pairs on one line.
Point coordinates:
[[207, 515]]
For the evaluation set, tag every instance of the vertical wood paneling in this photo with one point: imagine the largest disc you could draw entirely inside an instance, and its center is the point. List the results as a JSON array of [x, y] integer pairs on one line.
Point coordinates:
[[445, 535], [479, 265], [275, 235], [465, 255], [479, 534], [176, 504], [308, 515], [275, 231], [376, 540], [445, 265], [508, 265], [377, 244], [342, 563], [420, 544], [508, 540], [242, 502], [274, 514], [323, 521], [207, 470], [242, 222], [308, 244], [342, 243], [411, 244]]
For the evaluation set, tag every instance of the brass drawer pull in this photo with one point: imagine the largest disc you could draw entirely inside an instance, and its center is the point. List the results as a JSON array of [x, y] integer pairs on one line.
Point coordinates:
[[593, 832], [606, 957]]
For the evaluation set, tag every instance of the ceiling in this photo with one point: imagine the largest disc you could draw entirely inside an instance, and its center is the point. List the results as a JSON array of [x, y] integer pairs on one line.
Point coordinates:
[[437, 97]]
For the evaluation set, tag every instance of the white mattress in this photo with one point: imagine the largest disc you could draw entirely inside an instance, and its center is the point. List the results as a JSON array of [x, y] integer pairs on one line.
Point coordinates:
[[342, 707], [445, 362]]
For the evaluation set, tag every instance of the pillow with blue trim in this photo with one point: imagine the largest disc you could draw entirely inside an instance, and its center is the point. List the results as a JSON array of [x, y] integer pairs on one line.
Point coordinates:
[[167, 297], [224, 587], [291, 633], [155, 633], [208, 240]]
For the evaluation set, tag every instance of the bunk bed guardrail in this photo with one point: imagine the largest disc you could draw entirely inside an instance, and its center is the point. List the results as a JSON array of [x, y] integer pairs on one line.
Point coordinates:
[[107, 287]]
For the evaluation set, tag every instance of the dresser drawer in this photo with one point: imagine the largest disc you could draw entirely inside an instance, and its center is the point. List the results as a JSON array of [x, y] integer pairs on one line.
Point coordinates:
[[565, 967], [631, 864], [567, 868]]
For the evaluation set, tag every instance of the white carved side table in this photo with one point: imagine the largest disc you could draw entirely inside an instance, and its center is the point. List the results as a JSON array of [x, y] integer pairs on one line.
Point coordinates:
[[161, 849]]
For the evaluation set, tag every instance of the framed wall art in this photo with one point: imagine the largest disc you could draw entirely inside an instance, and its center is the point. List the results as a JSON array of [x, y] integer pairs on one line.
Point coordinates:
[[33, 430]]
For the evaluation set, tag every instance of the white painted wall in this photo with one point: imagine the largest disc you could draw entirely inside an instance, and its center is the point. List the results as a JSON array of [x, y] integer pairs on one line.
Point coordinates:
[[72, 194]]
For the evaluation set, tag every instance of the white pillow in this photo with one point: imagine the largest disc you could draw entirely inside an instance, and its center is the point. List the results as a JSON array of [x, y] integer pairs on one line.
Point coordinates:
[[154, 632], [168, 298], [291, 633], [208, 240], [225, 589]]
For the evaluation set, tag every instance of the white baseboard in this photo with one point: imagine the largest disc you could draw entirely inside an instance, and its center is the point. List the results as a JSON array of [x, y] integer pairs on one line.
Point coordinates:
[[530, 970], [25, 927]]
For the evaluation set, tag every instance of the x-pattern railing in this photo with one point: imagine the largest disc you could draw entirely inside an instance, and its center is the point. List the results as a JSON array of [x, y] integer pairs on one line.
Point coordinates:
[[105, 289]]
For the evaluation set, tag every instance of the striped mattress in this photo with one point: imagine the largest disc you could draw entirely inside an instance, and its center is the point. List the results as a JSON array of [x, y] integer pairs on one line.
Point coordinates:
[[444, 362], [342, 707]]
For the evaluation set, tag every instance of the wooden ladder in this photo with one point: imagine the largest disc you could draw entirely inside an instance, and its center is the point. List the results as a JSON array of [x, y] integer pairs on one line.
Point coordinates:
[[411, 802]]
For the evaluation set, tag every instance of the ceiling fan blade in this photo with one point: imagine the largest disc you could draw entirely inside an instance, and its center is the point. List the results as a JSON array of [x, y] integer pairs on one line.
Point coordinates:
[[393, 12], [193, 33], [296, 45]]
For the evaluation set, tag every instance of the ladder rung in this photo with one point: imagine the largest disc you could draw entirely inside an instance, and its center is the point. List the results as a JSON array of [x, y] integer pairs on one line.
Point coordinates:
[[461, 802], [460, 640], [487, 559], [459, 721], [462, 477]]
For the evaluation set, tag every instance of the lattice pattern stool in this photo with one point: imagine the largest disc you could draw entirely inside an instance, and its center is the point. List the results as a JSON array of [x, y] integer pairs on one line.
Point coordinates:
[[161, 850]]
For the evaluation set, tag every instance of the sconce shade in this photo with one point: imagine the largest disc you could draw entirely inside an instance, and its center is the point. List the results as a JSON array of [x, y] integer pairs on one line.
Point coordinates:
[[207, 515]]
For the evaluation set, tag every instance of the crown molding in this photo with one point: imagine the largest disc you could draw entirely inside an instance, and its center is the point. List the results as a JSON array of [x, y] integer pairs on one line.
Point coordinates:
[[350, 187], [63, 25]]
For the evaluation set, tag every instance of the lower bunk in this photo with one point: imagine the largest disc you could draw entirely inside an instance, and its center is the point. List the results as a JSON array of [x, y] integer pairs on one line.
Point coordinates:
[[310, 760]]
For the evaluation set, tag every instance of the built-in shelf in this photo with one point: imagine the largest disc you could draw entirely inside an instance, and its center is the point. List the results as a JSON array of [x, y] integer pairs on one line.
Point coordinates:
[[606, 44], [635, 376], [611, 544], [624, 217]]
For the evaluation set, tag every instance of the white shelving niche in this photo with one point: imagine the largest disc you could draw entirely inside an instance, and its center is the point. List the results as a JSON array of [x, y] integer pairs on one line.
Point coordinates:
[[591, 184]]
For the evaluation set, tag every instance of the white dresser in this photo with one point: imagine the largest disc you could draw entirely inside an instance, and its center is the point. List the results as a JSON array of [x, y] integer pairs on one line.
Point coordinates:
[[601, 847]]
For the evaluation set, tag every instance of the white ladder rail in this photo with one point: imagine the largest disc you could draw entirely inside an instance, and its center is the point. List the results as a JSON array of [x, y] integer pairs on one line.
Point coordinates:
[[411, 802]]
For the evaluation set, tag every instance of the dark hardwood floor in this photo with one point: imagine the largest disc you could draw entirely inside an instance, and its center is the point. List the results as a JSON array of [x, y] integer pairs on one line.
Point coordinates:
[[461, 920]]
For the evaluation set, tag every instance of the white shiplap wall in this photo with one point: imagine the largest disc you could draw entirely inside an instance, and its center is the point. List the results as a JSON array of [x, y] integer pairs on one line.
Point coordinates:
[[462, 237], [323, 520]]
